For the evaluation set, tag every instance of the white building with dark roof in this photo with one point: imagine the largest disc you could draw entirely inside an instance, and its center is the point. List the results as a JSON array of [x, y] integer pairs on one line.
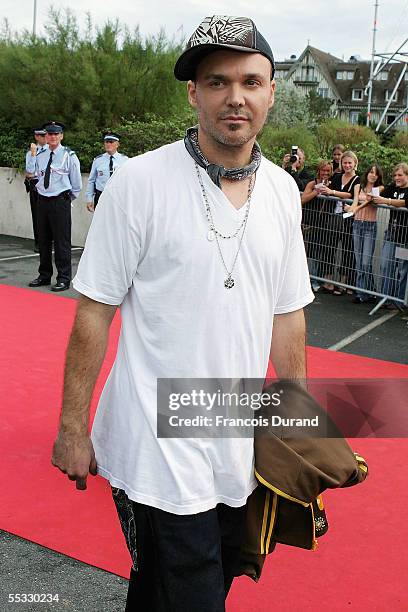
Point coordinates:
[[344, 83]]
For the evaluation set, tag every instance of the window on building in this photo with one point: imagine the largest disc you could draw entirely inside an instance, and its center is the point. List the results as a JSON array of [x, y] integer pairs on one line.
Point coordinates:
[[323, 92], [357, 94], [344, 75], [353, 118], [390, 119], [382, 76], [406, 75], [388, 96], [280, 74], [307, 73]]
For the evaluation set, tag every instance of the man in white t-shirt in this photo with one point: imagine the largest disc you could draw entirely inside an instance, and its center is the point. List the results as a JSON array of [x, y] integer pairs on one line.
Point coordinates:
[[199, 243]]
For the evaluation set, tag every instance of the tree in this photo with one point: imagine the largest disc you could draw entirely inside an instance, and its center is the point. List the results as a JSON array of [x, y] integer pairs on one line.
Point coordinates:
[[290, 106], [93, 78], [319, 109]]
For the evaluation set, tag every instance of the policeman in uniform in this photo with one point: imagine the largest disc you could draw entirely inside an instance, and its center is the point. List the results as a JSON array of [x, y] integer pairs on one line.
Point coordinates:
[[59, 182], [31, 179], [102, 169]]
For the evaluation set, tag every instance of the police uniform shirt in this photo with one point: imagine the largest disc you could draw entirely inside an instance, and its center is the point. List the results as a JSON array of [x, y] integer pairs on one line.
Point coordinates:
[[30, 159], [100, 172], [65, 172]]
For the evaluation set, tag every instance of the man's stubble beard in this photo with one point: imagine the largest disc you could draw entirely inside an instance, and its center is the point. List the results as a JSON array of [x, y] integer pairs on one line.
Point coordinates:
[[222, 138]]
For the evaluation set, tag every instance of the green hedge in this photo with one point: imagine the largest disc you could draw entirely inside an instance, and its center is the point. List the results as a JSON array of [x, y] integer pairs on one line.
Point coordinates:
[[318, 144], [137, 136]]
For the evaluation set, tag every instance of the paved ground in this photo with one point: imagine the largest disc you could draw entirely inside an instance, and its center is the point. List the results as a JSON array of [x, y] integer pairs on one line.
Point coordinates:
[[19, 263], [28, 568]]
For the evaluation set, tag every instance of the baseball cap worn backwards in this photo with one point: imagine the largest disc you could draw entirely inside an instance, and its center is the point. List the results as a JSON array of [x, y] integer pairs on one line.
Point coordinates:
[[221, 32]]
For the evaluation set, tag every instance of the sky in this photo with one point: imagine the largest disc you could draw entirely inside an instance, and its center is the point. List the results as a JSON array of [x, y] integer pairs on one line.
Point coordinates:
[[339, 27]]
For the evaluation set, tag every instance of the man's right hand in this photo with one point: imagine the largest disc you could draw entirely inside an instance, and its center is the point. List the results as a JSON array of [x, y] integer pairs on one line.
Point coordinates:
[[33, 149], [90, 206], [74, 456]]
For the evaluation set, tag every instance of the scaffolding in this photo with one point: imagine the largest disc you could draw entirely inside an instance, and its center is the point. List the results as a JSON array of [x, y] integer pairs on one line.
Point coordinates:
[[383, 59]]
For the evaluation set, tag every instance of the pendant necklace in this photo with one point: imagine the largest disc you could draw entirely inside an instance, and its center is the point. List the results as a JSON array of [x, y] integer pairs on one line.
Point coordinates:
[[213, 233]]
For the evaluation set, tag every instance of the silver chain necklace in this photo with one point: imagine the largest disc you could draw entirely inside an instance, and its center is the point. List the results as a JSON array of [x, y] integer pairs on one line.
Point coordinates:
[[214, 233]]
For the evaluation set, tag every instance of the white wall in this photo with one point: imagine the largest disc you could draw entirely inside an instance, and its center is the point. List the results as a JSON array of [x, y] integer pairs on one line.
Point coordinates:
[[15, 211]]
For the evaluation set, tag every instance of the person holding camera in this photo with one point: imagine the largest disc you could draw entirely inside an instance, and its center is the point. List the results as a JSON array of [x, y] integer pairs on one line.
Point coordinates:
[[293, 163]]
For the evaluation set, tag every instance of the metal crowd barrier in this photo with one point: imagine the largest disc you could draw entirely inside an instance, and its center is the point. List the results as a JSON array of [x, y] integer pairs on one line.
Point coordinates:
[[368, 256]]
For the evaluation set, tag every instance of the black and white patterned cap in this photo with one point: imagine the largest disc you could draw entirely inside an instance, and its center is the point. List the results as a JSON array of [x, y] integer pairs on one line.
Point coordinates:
[[221, 32]]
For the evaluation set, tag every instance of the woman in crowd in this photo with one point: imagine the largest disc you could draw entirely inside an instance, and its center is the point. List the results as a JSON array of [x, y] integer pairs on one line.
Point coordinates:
[[339, 230], [393, 269], [337, 152], [314, 216], [365, 231]]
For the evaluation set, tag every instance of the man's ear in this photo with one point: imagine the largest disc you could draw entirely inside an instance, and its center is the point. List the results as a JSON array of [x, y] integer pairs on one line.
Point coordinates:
[[272, 94], [192, 93]]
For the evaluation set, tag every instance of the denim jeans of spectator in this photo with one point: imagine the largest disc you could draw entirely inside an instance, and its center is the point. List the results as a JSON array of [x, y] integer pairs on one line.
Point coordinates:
[[394, 271], [403, 277], [364, 235], [181, 563], [313, 265]]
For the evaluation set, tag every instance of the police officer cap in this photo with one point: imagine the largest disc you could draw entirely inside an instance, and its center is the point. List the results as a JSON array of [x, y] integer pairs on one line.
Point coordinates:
[[53, 127], [39, 131], [111, 136]]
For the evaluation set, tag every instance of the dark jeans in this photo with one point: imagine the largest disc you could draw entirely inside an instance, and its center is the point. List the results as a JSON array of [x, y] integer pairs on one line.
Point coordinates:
[[338, 234], [54, 224], [330, 232], [394, 271], [347, 266], [182, 563]]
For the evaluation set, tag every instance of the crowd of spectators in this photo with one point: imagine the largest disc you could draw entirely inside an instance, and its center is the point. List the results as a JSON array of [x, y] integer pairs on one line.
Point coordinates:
[[346, 218]]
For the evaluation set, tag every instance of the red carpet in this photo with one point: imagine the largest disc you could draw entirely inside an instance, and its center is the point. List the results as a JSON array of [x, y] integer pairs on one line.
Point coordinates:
[[359, 565]]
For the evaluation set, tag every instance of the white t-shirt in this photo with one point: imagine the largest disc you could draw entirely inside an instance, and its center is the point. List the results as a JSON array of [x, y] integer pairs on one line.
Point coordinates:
[[147, 250]]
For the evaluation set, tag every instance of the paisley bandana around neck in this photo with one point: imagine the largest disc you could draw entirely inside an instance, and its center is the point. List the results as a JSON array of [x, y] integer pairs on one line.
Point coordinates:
[[214, 171]]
